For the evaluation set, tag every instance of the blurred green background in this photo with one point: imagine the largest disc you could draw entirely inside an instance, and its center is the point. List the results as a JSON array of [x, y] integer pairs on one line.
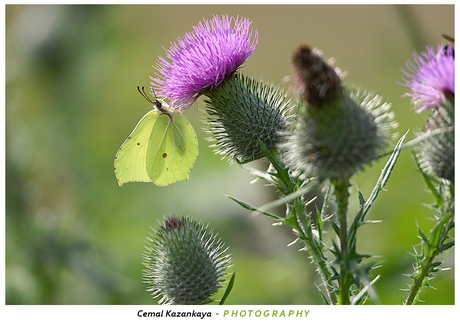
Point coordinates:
[[73, 236]]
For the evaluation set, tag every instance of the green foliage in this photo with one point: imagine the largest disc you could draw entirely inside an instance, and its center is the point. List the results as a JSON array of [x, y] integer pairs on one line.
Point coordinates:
[[309, 229], [293, 190], [227, 290], [437, 241]]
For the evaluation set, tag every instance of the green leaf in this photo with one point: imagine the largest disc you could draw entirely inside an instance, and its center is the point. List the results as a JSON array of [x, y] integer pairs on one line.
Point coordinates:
[[424, 237], [391, 162], [385, 174], [335, 227], [286, 199], [368, 289], [284, 184], [326, 301], [327, 194], [427, 135], [254, 208], [281, 171], [361, 198], [447, 245], [258, 173], [161, 149], [336, 251], [228, 290]]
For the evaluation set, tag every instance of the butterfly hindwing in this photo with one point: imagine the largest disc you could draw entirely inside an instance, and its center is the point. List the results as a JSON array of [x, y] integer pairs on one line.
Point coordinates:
[[173, 150]]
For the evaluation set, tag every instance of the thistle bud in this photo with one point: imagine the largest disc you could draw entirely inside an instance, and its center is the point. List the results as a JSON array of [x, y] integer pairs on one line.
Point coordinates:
[[184, 262], [243, 112], [436, 153], [339, 131], [315, 80]]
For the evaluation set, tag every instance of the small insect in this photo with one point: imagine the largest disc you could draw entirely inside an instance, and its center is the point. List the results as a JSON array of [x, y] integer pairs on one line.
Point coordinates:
[[161, 149], [449, 38], [452, 41]]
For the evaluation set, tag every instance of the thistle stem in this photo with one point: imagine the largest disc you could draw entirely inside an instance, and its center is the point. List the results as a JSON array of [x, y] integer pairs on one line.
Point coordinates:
[[314, 247], [298, 218], [433, 247], [341, 192], [419, 279]]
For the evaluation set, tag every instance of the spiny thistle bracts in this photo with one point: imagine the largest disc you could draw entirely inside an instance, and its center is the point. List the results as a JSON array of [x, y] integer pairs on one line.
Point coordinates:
[[243, 112], [184, 261]]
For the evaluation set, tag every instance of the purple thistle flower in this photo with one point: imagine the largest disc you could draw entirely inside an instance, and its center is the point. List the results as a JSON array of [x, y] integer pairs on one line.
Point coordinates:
[[431, 77], [202, 59]]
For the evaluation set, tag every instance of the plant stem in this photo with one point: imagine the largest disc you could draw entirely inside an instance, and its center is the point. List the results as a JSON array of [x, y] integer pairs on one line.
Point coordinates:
[[418, 280], [298, 219], [432, 249], [341, 193], [314, 247], [435, 243]]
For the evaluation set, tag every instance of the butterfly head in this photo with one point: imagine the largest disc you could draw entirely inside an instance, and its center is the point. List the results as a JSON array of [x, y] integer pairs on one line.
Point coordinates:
[[158, 105]]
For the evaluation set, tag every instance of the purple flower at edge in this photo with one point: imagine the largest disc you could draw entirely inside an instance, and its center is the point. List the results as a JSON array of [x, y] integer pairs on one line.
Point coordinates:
[[431, 77], [202, 59]]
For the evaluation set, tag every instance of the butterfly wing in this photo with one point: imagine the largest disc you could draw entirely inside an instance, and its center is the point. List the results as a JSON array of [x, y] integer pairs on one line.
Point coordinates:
[[172, 150], [130, 161]]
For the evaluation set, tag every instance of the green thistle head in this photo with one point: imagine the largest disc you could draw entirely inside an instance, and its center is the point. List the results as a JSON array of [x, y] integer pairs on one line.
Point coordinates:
[[184, 262], [436, 153], [339, 131], [243, 111]]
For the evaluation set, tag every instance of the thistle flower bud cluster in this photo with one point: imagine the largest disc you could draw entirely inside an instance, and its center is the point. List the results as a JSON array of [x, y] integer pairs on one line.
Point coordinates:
[[339, 131], [185, 262]]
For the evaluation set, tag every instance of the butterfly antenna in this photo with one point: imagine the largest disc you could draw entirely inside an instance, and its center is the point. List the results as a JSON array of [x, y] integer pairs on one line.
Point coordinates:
[[156, 103], [145, 95]]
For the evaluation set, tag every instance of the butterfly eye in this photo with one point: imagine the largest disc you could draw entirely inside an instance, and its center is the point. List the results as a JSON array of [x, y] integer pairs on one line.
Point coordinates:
[[159, 106]]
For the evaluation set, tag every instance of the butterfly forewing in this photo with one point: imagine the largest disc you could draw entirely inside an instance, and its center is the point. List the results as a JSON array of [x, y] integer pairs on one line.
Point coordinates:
[[130, 159]]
